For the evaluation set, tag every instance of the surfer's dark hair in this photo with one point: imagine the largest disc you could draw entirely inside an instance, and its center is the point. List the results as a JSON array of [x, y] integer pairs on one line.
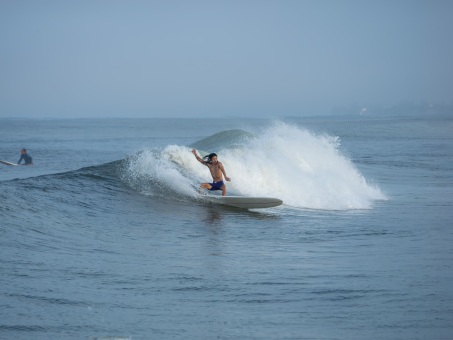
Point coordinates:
[[208, 158]]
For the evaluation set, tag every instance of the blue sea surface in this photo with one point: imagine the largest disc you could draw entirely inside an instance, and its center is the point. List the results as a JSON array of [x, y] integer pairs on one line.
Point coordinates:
[[106, 236]]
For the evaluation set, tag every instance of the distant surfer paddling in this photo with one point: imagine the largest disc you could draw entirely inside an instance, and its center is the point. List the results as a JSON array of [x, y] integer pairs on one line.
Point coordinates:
[[217, 170], [28, 160]]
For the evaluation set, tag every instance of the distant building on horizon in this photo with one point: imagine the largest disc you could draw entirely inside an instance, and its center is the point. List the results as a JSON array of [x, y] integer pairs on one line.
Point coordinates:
[[403, 109]]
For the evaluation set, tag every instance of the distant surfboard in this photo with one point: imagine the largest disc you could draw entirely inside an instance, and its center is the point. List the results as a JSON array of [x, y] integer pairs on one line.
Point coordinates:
[[245, 202], [8, 163]]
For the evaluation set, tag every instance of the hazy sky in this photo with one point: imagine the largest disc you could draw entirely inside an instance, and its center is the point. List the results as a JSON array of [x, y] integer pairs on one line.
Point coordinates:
[[220, 58]]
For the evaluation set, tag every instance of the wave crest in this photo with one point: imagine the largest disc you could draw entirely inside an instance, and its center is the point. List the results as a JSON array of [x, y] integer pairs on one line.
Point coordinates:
[[303, 169]]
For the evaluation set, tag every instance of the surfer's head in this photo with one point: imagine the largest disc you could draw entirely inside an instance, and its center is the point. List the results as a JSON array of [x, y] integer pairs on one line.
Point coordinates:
[[212, 157]]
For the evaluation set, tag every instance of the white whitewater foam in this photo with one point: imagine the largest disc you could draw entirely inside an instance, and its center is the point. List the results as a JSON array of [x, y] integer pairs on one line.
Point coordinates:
[[154, 173], [303, 169]]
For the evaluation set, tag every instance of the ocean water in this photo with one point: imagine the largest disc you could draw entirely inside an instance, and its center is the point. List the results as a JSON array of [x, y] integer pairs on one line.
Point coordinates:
[[107, 237]]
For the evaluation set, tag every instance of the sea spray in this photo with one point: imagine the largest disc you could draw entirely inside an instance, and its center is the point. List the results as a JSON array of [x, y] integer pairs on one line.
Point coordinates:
[[152, 172], [303, 169]]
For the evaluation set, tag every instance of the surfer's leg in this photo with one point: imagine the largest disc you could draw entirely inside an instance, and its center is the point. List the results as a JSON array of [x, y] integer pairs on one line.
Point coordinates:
[[205, 186], [223, 187]]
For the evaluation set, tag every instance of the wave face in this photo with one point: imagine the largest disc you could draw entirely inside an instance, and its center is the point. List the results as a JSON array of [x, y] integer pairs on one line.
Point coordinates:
[[303, 169]]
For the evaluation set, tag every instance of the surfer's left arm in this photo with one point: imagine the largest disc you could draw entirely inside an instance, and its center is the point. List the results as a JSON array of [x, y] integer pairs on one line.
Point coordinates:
[[224, 172]]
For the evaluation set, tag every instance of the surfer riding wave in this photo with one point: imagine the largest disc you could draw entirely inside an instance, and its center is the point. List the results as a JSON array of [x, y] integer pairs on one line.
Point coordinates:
[[217, 172]]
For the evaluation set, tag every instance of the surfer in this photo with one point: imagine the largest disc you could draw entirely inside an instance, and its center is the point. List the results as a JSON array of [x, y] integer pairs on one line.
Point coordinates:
[[216, 169], [28, 160]]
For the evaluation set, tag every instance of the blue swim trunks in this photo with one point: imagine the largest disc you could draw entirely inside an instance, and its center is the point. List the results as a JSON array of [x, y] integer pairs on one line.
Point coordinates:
[[216, 185]]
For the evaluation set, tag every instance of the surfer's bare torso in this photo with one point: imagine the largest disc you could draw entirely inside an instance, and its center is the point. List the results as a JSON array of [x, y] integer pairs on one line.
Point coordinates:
[[216, 170]]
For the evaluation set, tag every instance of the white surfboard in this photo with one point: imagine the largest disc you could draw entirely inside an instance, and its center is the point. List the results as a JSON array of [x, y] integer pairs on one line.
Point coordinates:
[[245, 202], [8, 163]]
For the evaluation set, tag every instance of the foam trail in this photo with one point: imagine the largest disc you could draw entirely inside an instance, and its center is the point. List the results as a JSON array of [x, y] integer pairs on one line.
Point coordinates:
[[156, 173]]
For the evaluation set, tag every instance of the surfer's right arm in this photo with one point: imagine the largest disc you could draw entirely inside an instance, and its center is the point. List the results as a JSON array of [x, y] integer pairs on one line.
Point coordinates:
[[198, 157]]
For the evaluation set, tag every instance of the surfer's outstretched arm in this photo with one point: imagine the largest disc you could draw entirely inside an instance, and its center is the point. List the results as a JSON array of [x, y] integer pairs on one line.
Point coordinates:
[[198, 157]]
